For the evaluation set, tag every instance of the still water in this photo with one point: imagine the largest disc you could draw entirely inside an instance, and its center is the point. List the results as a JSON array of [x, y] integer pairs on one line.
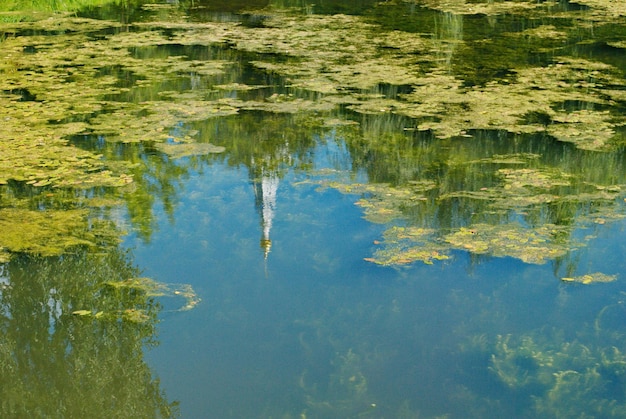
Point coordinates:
[[335, 210], [313, 327]]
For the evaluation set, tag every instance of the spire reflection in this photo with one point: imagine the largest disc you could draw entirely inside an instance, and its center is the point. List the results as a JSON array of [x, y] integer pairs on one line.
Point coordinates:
[[265, 189]]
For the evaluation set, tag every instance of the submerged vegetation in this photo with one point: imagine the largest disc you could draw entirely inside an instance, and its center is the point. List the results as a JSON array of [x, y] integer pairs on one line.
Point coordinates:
[[553, 377]]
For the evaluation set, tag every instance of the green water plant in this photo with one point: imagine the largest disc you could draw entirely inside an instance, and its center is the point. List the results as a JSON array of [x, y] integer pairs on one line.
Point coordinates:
[[52, 232], [562, 379], [151, 288], [68, 78], [591, 278]]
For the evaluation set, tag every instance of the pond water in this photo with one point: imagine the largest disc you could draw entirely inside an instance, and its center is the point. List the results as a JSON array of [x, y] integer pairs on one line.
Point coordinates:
[[349, 209]]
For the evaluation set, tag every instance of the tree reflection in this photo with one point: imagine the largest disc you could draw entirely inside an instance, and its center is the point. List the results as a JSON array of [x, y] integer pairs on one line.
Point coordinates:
[[162, 89], [268, 145], [326, 7], [226, 5], [497, 193], [58, 364], [157, 179]]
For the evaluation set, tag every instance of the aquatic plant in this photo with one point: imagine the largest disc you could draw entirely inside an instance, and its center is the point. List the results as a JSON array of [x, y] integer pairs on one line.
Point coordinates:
[[517, 205], [45, 233], [562, 379], [151, 288], [167, 74], [596, 277]]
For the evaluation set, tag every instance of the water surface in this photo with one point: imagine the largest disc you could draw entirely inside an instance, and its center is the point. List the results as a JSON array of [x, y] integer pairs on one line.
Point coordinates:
[[283, 209]]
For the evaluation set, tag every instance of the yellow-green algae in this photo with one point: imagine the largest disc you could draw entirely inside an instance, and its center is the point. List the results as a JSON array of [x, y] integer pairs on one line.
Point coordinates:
[[152, 288], [455, 108], [531, 245], [302, 36], [56, 93], [149, 288], [55, 87], [354, 58], [338, 53], [592, 278], [178, 150], [518, 207], [49, 233], [404, 245], [493, 8]]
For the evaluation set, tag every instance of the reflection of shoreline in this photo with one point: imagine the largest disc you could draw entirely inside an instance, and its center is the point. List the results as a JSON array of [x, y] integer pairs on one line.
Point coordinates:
[[66, 331]]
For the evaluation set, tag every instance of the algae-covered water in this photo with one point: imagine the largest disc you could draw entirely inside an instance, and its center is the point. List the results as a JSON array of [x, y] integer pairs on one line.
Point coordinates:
[[285, 209]]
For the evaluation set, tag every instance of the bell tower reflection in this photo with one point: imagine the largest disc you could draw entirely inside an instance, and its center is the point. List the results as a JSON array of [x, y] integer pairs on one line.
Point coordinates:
[[265, 171], [265, 187], [269, 146]]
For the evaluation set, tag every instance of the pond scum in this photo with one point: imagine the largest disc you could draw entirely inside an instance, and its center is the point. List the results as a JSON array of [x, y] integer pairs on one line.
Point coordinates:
[[57, 87], [410, 100]]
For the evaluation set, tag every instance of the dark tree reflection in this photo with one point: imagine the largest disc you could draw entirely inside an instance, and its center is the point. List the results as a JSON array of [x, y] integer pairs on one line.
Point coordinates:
[[57, 363]]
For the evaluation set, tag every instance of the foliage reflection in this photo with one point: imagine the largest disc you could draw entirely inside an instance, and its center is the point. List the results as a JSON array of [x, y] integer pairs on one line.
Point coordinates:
[[56, 362]]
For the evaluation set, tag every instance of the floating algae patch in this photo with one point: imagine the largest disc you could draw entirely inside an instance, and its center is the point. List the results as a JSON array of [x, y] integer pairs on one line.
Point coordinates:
[[490, 8], [164, 68], [382, 203], [133, 123], [280, 103], [332, 52], [536, 244], [586, 128], [531, 245], [140, 289], [533, 178], [157, 121], [593, 278], [344, 57], [522, 192], [449, 109], [179, 150], [47, 221], [542, 31], [151, 288], [66, 81], [147, 84], [33, 144], [604, 10], [44, 233], [35, 151], [193, 110], [242, 87], [405, 245], [518, 205], [65, 78]]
